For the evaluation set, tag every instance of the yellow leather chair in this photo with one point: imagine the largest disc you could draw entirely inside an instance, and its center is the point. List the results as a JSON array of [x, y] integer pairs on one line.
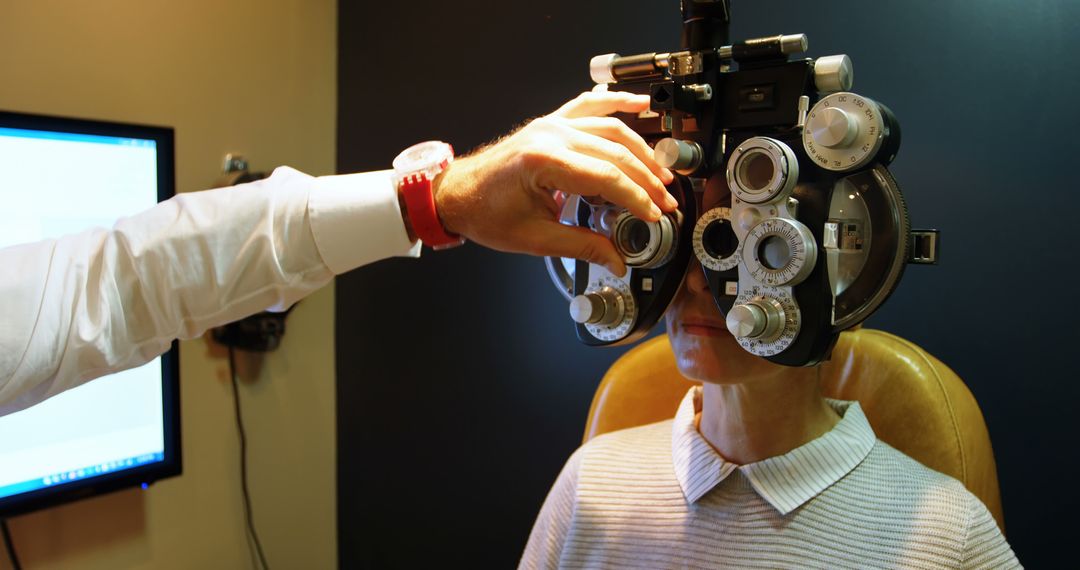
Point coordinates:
[[914, 402]]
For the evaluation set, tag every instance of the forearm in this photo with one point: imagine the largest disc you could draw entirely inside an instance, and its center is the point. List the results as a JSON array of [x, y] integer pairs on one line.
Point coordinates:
[[107, 300]]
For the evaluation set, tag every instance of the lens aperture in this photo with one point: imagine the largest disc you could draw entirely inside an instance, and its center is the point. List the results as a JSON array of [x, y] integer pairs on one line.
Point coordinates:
[[774, 252], [634, 236], [715, 244], [645, 244], [755, 171], [762, 170], [719, 239]]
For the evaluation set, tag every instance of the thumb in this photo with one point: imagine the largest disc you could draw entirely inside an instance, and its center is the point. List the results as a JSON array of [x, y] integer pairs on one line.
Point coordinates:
[[560, 240]]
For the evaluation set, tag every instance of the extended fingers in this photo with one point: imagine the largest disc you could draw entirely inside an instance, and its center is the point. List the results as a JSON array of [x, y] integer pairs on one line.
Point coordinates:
[[585, 175], [557, 240], [616, 131], [628, 162], [601, 103]]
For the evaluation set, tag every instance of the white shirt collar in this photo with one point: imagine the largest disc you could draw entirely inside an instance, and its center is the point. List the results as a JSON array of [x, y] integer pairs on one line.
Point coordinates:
[[785, 481]]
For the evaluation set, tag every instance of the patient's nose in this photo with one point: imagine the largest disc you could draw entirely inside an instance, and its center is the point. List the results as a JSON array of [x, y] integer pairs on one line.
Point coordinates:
[[695, 279]]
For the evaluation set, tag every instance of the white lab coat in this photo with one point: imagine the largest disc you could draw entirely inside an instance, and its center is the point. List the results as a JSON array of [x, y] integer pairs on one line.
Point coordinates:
[[89, 304]]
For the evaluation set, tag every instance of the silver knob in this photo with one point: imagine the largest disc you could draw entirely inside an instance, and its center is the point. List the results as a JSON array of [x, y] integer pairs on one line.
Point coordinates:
[[603, 307], [600, 68], [794, 43], [756, 319], [746, 321], [832, 128], [833, 73], [700, 91], [678, 155]]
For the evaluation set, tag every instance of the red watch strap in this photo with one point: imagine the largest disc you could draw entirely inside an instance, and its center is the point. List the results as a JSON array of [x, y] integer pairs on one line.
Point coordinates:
[[420, 203]]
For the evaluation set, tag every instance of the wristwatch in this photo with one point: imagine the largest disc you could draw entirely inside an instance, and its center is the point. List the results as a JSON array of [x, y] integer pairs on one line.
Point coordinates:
[[414, 170]]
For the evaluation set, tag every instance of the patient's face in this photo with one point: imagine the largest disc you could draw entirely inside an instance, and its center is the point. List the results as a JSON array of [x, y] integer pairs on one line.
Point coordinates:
[[704, 349]]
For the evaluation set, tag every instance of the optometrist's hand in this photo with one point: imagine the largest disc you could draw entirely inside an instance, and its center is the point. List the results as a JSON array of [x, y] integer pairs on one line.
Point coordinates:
[[503, 196]]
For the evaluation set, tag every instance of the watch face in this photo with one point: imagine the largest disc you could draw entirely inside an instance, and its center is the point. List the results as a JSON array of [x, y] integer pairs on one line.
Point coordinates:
[[423, 156]]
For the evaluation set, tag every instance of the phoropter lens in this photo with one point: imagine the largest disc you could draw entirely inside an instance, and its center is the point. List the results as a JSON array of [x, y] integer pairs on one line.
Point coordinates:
[[762, 170], [634, 236], [755, 171], [719, 239], [644, 244], [715, 243], [774, 252]]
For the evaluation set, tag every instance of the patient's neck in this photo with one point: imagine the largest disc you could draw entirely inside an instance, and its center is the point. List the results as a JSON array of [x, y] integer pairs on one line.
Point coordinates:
[[771, 416]]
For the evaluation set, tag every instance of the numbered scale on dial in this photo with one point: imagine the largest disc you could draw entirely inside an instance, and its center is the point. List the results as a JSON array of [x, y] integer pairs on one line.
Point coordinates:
[[716, 244], [845, 132], [764, 320], [607, 308], [779, 252]]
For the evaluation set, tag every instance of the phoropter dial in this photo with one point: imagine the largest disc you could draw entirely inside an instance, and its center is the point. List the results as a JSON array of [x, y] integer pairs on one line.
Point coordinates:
[[598, 307], [607, 308], [845, 132], [761, 319], [779, 252], [764, 320], [715, 243]]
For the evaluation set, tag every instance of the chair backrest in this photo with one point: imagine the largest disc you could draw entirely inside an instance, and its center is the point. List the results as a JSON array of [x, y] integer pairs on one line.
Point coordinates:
[[914, 402]]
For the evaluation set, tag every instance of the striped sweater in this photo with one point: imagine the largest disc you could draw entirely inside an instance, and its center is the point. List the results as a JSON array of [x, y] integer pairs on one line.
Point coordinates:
[[659, 496]]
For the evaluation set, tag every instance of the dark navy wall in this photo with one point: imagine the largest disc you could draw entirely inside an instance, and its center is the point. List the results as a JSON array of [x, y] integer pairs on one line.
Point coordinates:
[[461, 389]]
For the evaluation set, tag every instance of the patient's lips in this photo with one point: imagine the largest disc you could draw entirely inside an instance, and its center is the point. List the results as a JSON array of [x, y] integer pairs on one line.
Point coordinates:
[[704, 327]]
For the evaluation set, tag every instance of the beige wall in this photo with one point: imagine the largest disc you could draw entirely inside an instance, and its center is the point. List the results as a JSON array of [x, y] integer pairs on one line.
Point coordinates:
[[249, 76]]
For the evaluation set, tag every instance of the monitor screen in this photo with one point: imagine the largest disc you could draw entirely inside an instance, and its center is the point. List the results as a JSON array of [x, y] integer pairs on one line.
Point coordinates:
[[63, 176]]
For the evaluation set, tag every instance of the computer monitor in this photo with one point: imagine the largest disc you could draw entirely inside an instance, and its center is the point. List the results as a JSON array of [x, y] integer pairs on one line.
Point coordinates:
[[62, 176]]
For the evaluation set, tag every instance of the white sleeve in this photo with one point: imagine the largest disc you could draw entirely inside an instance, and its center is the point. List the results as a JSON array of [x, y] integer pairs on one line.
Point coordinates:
[[89, 304]]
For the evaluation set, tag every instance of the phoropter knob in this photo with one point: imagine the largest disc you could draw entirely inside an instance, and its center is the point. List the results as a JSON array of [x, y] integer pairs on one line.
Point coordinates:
[[600, 68], [677, 155], [845, 132], [833, 73], [746, 320], [833, 127], [603, 307], [757, 319]]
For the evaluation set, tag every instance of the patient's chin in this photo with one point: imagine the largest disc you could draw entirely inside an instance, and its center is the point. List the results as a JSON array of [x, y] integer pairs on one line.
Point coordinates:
[[707, 359], [721, 362]]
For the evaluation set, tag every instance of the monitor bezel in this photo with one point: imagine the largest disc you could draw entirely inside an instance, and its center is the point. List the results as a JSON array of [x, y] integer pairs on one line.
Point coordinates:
[[172, 464]]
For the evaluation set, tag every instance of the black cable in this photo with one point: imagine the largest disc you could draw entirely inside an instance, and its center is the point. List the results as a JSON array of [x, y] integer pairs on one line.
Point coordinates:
[[10, 544], [253, 535]]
